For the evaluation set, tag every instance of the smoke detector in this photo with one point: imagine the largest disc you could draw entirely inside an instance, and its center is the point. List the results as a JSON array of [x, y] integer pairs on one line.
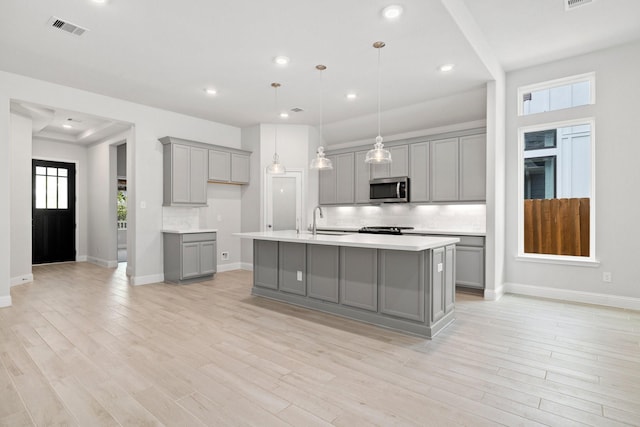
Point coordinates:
[[66, 26], [572, 4]]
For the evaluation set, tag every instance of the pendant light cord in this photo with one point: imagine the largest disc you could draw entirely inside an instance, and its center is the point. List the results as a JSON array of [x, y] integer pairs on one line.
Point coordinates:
[[379, 134], [275, 149]]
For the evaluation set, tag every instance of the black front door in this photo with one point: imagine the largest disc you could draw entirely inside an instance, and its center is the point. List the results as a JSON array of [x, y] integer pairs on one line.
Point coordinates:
[[54, 213]]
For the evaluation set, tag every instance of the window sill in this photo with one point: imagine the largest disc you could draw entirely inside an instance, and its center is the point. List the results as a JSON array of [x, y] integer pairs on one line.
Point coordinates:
[[559, 259]]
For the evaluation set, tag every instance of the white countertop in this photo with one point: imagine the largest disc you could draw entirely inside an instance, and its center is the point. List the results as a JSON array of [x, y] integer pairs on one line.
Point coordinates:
[[191, 231], [354, 229], [399, 243]]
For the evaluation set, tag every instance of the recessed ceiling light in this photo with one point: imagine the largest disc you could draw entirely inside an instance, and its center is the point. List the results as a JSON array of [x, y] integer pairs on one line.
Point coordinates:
[[67, 126], [210, 91], [446, 68], [100, 1], [284, 115], [281, 60], [392, 12], [352, 95]]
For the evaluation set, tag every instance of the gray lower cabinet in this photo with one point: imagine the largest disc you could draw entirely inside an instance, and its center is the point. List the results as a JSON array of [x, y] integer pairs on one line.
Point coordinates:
[[402, 282], [322, 272], [358, 271], [189, 257], [292, 267], [265, 264], [413, 291], [470, 270]]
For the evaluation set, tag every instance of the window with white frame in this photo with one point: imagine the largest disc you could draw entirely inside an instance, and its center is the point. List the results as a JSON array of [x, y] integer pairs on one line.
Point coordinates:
[[556, 185], [557, 94]]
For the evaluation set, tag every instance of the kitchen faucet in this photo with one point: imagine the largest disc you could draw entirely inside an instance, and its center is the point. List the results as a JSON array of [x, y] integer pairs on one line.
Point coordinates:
[[314, 228]]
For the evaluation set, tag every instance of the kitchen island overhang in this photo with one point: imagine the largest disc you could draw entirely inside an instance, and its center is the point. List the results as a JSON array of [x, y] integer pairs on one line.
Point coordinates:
[[405, 283]]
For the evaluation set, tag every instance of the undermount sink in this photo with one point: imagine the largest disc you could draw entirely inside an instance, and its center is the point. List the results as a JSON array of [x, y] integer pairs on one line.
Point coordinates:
[[330, 233]]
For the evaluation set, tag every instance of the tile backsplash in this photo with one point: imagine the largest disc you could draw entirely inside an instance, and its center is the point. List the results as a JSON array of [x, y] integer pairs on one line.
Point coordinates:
[[179, 218], [465, 218]]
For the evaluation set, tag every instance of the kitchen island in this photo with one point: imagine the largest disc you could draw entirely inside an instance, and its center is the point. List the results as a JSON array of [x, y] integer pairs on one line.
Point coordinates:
[[405, 283]]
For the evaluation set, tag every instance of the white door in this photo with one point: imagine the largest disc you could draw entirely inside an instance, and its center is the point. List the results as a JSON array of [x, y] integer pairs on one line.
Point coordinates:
[[284, 201]]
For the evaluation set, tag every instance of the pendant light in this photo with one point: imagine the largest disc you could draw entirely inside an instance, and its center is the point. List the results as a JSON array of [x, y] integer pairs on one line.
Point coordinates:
[[276, 168], [378, 154], [321, 162]]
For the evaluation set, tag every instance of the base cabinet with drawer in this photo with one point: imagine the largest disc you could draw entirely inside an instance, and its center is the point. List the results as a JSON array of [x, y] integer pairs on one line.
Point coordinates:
[[189, 257], [412, 291]]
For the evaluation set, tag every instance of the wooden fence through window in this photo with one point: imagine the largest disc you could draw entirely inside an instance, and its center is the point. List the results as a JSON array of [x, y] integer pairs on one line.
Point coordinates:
[[556, 226]]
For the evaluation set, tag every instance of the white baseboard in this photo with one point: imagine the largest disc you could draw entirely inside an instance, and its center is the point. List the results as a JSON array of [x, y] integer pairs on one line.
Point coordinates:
[[146, 280], [103, 262], [5, 301], [229, 267], [574, 296], [494, 294], [19, 280], [81, 258], [246, 266]]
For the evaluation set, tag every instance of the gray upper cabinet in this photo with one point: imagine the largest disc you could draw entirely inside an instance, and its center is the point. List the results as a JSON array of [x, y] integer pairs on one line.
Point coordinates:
[[419, 172], [441, 170], [444, 170], [473, 169], [240, 165], [327, 182], [184, 174], [229, 166], [337, 184], [362, 176], [219, 165], [344, 178], [399, 165]]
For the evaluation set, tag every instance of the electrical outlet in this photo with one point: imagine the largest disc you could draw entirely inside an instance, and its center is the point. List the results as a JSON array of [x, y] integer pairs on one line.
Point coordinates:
[[225, 256], [439, 267], [606, 277], [299, 276]]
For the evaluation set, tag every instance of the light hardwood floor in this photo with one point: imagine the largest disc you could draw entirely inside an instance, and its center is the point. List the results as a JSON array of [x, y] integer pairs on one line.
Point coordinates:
[[81, 347]]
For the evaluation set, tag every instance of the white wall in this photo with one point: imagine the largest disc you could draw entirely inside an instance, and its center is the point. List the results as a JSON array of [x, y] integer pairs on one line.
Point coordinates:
[[251, 194], [5, 194], [101, 198], [69, 153], [144, 152], [21, 196], [617, 174], [223, 213]]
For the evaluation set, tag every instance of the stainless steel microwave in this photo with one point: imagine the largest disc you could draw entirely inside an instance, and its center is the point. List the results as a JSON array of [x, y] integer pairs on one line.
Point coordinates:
[[389, 190]]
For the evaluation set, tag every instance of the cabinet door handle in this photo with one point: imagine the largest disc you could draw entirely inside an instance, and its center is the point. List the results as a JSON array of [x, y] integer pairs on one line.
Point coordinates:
[[398, 190]]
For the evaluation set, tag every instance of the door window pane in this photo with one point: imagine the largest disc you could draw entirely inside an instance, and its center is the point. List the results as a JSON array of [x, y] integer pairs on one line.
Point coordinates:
[[52, 192], [63, 203], [41, 191]]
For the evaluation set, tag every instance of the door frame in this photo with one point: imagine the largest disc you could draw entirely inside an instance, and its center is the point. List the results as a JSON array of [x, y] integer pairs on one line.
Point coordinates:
[[298, 173], [76, 207]]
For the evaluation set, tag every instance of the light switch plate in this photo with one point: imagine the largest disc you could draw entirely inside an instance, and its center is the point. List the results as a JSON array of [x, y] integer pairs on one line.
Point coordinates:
[[299, 276], [439, 267]]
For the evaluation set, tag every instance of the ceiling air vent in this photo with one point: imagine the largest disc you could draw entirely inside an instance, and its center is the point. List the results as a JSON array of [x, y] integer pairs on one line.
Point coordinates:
[[572, 4], [297, 110], [66, 26]]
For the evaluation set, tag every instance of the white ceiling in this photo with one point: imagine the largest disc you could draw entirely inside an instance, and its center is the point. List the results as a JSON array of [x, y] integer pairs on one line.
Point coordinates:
[[163, 53]]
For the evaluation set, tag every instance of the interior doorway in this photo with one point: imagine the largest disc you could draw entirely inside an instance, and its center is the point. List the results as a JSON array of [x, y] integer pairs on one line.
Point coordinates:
[[284, 201], [121, 202], [53, 211]]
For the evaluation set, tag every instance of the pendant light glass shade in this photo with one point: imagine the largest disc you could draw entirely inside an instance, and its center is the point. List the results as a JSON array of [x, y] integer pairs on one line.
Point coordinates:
[[378, 154], [276, 168], [321, 162]]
